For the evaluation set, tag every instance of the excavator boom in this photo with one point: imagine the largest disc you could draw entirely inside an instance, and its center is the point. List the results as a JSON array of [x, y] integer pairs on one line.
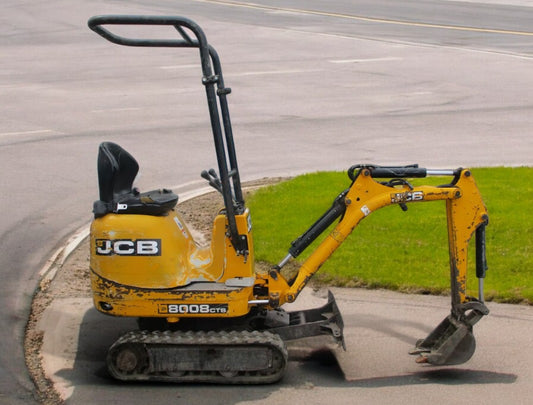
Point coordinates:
[[452, 342]]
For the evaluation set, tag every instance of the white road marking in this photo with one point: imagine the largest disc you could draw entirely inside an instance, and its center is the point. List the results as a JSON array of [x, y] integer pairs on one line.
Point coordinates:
[[107, 110], [370, 19], [385, 59], [34, 132], [272, 72], [171, 67]]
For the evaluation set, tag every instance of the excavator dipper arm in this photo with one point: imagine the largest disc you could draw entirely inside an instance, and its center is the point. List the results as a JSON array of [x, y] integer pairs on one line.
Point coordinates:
[[452, 342]]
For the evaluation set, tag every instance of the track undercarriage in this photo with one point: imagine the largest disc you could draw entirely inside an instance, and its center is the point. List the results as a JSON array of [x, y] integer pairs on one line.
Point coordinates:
[[247, 350], [237, 357]]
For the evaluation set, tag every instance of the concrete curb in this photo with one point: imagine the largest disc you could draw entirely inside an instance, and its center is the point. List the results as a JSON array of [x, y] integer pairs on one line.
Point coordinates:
[[58, 258]]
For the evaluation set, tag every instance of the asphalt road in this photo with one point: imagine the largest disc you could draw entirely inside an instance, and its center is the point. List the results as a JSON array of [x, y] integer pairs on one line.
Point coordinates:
[[380, 328], [316, 86]]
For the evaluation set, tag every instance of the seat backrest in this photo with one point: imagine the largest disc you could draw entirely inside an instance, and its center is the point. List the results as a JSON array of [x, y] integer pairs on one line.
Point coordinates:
[[116, 171]]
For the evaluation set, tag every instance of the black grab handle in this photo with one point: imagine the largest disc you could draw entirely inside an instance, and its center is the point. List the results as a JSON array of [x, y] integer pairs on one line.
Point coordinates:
[[97, 23]]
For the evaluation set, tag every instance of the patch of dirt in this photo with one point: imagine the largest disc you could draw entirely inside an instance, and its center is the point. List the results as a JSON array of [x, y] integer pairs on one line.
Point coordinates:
[[44, 388], [72, 280]]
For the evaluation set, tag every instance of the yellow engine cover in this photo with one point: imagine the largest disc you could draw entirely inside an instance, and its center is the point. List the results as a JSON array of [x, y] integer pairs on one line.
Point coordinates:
[[152, 252]]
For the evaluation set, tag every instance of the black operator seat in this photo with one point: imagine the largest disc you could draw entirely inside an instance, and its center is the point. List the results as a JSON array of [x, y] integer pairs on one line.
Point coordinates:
[[116, 171]]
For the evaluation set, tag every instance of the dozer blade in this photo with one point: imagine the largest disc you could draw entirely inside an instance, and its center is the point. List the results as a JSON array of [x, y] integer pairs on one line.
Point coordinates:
[[323, 324], [452, 341]]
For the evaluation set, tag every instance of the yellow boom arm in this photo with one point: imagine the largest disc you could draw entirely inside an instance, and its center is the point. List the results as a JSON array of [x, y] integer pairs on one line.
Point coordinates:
[[465, 213], [452, 341]]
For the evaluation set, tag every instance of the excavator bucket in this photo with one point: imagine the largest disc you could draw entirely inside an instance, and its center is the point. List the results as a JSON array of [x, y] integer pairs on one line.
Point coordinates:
[[452, 341]]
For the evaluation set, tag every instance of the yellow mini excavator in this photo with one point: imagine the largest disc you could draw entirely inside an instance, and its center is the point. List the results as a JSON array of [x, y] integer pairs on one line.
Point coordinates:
[[205, 313]]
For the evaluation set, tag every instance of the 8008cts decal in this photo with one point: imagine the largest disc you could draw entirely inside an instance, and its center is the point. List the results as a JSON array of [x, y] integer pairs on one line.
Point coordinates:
[[193, 308]]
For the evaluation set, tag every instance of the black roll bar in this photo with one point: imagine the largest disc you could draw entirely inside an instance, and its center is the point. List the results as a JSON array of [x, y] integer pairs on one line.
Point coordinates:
[[212, 75]]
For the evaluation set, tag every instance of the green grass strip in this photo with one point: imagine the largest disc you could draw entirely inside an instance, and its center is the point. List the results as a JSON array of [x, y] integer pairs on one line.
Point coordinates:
[[405, 251]]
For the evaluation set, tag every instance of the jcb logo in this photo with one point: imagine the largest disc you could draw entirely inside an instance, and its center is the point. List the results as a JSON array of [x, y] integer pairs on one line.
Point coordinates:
[[128, 247], [407, 196]]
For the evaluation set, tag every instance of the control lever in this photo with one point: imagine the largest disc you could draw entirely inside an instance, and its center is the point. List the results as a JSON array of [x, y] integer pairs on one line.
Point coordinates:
[[212, 177]]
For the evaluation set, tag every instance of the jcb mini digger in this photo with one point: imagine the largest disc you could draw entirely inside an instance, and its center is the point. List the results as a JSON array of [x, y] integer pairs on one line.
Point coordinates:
[[205, 313]]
